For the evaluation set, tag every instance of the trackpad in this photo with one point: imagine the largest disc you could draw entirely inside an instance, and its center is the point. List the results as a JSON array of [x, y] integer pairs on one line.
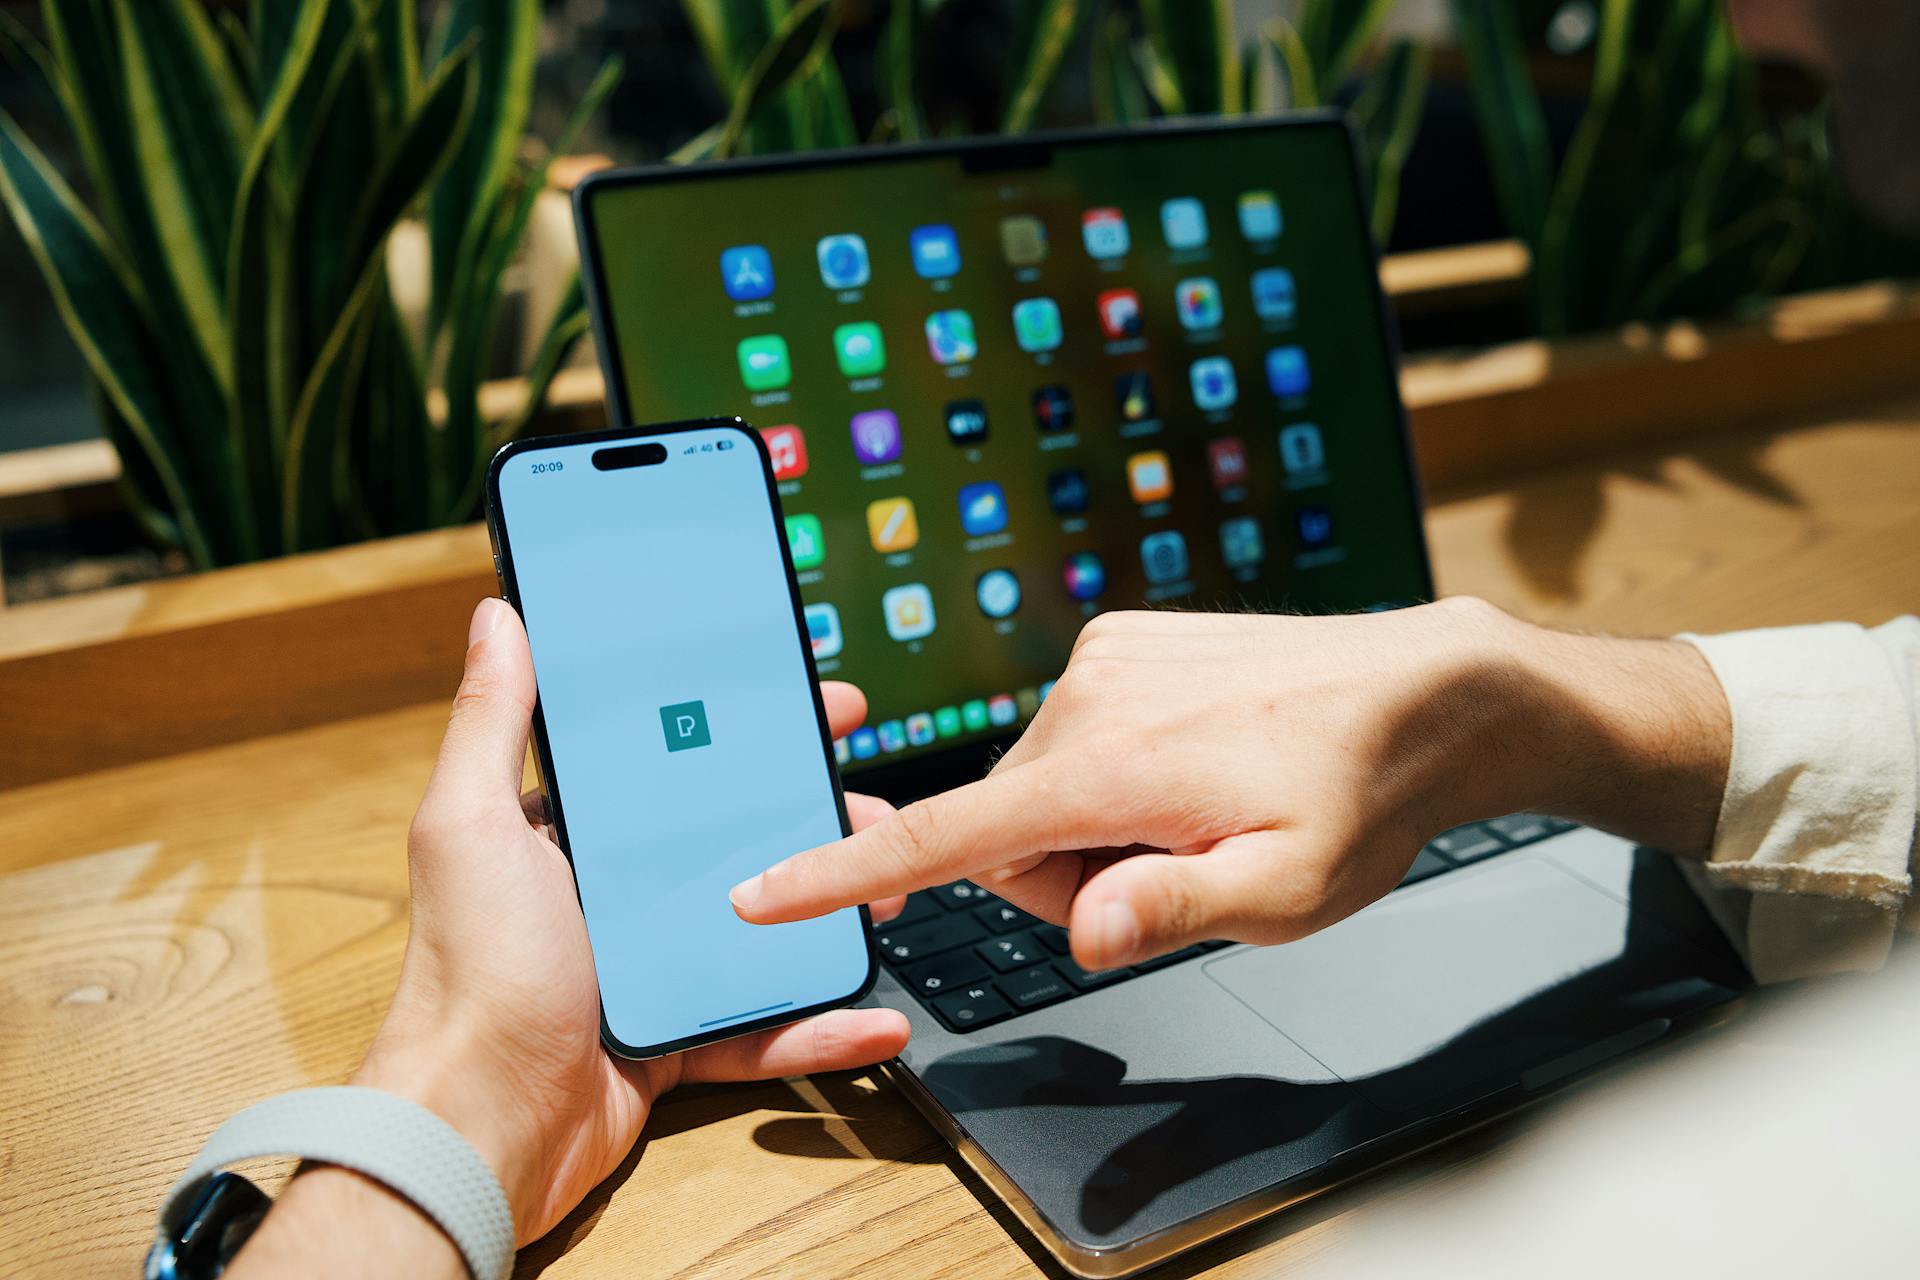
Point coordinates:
[[1452, 986]]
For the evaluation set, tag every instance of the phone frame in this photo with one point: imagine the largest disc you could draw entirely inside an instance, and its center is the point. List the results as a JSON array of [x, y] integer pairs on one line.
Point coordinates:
[[543, 754], [906, 780]]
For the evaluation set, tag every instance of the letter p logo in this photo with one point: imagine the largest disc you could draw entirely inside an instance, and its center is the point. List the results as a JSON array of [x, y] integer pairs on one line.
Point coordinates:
[[685, 725]]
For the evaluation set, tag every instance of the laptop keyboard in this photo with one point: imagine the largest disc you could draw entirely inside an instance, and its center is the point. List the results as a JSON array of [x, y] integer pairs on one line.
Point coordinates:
[[974, 959]]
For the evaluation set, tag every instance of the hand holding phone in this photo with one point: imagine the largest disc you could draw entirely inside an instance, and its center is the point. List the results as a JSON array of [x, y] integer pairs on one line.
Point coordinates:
[[679, 730]]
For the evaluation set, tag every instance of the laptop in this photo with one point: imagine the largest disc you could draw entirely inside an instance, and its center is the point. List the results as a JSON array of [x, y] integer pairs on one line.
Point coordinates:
[[1010, 384]]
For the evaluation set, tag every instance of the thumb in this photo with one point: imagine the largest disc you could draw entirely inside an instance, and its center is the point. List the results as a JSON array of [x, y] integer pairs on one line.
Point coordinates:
[[1153, 903], [484, 752]]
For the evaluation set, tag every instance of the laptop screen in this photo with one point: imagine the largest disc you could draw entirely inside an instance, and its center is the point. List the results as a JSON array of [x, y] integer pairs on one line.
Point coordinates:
[[1009, 386]]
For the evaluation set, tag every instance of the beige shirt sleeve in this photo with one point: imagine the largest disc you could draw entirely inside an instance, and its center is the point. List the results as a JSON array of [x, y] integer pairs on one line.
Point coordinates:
[[1813, 861]]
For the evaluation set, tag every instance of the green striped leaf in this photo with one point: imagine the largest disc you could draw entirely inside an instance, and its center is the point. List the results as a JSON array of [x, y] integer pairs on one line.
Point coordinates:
[[800, 45], [1511, 124], [1055, 23], [1119, 96], [95, 301], [1193, 42]]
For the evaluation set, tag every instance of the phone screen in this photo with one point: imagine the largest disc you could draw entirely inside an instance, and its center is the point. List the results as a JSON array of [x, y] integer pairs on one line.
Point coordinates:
[[683, 740]]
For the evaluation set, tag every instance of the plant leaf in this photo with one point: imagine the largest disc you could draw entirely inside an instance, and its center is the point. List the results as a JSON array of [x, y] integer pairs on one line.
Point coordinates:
[[1194, 43], [1119, 97], [1303, 90], [1335, 34], [91, 292], [1054, 27], [902, 63], [1389, 111], [181, 103], [1511, 124], [801, 43], [463, 201]]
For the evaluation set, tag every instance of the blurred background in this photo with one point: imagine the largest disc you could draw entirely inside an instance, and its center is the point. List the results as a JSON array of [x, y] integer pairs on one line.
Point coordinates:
[[278, 275]]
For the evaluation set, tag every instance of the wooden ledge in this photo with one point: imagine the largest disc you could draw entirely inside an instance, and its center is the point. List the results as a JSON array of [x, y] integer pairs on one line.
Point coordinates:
[[138, 672]]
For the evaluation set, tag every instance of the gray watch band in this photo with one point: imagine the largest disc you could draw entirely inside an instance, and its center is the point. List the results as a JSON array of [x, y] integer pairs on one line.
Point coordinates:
[[387, 1138]]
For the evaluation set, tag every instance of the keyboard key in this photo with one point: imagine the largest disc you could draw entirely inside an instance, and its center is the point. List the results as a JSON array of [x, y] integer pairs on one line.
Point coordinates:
[[919, 907], [1004, 917], [1054, 939], [1425, 863], [972, 1007], [1015, 951], [918, 941], [1465, 844], [1031, 988], [944, 973], [1088, 979], [960, 894], [1522, 828], [1557, 825], [1161, 962]]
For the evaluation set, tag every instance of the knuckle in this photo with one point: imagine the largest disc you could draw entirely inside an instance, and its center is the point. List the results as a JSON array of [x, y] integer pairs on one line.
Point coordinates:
[[915, 840], [1182, 911]]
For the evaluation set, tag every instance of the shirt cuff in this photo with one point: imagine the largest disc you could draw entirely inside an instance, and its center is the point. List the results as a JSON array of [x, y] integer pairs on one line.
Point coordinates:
[[1821, 794]]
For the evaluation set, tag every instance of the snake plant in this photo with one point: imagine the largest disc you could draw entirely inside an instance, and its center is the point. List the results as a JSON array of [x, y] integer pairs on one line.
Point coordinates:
[[226, 278]]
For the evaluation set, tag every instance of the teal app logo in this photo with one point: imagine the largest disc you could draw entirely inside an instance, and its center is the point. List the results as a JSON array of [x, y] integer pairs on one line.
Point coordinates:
[[685, 724]]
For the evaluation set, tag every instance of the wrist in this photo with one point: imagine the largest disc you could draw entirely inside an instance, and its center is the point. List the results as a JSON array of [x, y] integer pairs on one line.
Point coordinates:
[[443, 1070], [1629, 735]]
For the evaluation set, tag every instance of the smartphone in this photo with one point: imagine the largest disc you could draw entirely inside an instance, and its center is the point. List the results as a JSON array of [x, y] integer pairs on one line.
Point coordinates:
[[679, 729]]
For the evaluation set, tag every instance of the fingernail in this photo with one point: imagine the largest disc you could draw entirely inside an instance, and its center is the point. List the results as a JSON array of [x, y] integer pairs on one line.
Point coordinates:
[[1119, 934], [485, 618], [745, 894]]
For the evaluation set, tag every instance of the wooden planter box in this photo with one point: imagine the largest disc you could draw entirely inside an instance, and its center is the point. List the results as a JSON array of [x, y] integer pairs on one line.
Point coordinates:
[[134, 673]]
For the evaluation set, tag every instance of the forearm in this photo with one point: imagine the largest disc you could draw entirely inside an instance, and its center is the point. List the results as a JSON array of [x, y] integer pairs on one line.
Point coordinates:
[[1631, 736], [333, 1222]]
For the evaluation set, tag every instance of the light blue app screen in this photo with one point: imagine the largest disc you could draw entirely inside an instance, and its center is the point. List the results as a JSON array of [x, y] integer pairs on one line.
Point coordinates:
[[686, 750]]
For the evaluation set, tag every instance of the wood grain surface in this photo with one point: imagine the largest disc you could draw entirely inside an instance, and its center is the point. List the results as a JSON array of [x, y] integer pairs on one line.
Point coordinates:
[[182, 936]]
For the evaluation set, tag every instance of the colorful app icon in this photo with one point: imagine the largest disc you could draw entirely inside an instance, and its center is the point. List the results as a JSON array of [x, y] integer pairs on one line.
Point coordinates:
[[1002, 710], [876, 436], [823, 630], [1023, 239], [805, 542], [1028, 700], [1259, 216], [1105, 232], [763, 362], [1213, 383], [843, 261], [973, 715], [842, 753], [1316, 527], [1084, 574], [747, 272], [1133, 395], [983, 509], [1241, 545], [1150, 477], [919, 729], [861, 350], [1287, 371], [787, 447], [936, 251], [946, 722], [891, 525], [1227, 462], [1163, 556], [863, 743], [1067, 492], [1036, 324], [1199, 300], [998, 593], [1273, 296], [892, 735], [950, 337], [1053, 408], [966, 421], [1301, 449], [1184, 222], [909, 611], [1119, 313]]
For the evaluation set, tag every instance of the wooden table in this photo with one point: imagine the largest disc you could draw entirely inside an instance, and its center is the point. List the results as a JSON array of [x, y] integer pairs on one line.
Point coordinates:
[[182, 936]]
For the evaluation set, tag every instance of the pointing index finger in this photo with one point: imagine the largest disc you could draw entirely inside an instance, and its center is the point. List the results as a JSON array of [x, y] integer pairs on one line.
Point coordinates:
[[1006, 815]]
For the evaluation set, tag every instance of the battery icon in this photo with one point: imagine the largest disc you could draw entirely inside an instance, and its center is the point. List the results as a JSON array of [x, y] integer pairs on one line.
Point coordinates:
[[723, 444]]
